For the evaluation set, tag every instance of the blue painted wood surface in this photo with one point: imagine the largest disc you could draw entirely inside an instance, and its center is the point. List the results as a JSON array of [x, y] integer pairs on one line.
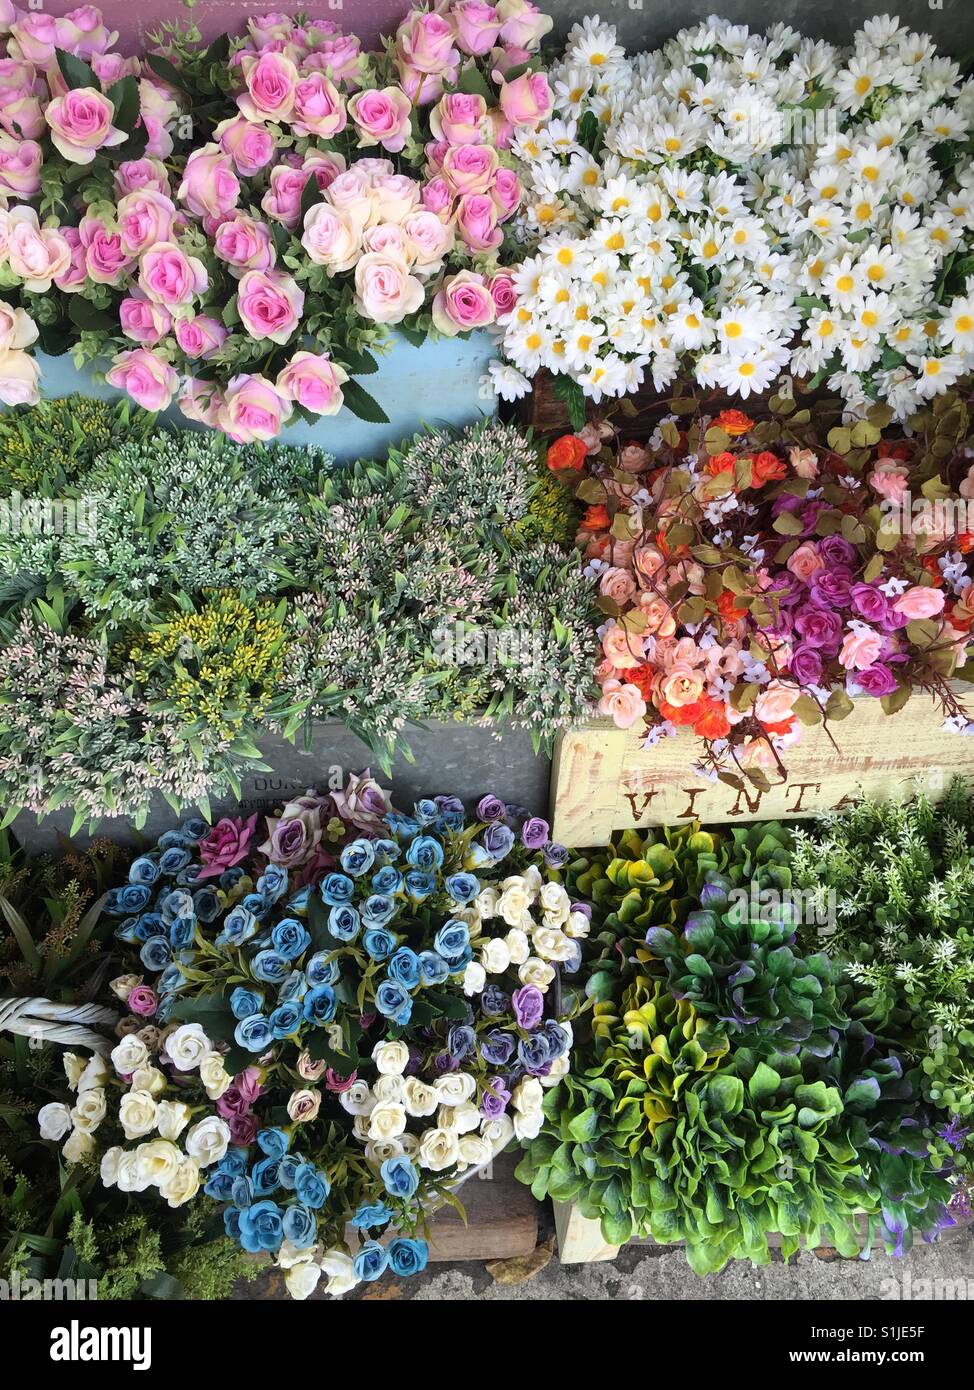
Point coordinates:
[[438, 383]]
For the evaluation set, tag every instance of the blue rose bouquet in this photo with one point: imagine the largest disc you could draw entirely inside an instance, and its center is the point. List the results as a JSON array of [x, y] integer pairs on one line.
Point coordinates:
[[345, 1008]]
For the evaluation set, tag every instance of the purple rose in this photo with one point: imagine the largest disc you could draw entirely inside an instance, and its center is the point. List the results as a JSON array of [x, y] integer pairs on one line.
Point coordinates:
[[787, 588], [819, 627], [836, 550], [450, 804], [535, 832], [869, 602], [806, 664], [494, 1001], [876, 680], [831, 588], [584, 908], [497, 1047], [490, 808], [556, 856], [528, 1004], [498, 841], [494, 1100]]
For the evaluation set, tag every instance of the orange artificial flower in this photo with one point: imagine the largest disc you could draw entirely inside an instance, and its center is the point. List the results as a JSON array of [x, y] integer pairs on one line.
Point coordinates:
[[642, 678], [679, 714], [929, 563], [568, 452], [734, 422], [728, 608], [964, 542], [784, 726], [766, 467], [596, 518], [712, 721], [720, 463]]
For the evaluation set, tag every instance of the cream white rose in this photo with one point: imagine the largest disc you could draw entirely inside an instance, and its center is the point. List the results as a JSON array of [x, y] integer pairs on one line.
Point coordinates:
[[418, 1098], [187, 1045], [498, 1132], [90, 1109], [557, 1069], [208, 1140], [409, 1144], [552, 944], [109, 1165], [172, 1117], [156, 1161], [536, 972], [486, 901], [515, 901], [149, 1079], [74, 1067], [555, 904], [77, 1146], [378, 1151], [518, 945], [495, 956], [578, 926], [54, 1120], [289, 1255], [389, 1088], [95, 1074], [387, 1121], [454, 1087], [527, 1126], [463, 1118], [182, 1184], [390, 1058], [214, 1075], [474, 1150], [527, 1095], [129, 1055], [439, 1149], [338, 1266], [474, 978], [302, 1280], [137, 1113], [357, 1100], [129, 1177]]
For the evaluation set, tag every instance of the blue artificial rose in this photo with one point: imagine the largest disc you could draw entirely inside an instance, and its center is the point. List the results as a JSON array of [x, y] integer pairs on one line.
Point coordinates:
[[290, 938], [534, 1053], [392, 1001], [357, 858], [407, 1257], [478, 858], [452, 940], [311, 1186], [320, 1004], [556, 856], [242, 1191], [400, 1176], [419, 885], [193, 828], [573, 962], [156, 953], [498, 841], [189, 878], [426, 811], [337, 890], [244, 1002], [145, 870], [284, 1020], [320, 970], [494, 1001], [404, 967], [300, 1226], [370, 1215], [461, 1040], [261, 1227], [270, 967], [403, 827], [128, 931], [234, 1161], [239, 926], [425, 853], [150, 924], [462, 888], [344, 923], [386, 851], [207, 904], [558, 1039], [433, 969], [172, 839], [231, 1223], [273, 1142], [229, 879], [294, 987], [288, 1167], [370, 1262], [127, 900], [219, 1186], [253, 1033], [254, 903], [449, 806], [182, 933], [379, 943], [387, 881], [264, 1176], [298, 902], [164, 1008], [272, 884], [497, 1047], [176, 903], [379, 910], [171, 979], [174, 860]]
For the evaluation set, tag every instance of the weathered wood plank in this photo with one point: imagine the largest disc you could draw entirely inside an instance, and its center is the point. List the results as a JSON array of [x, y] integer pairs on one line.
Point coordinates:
[[580, 1239], [605, 780]]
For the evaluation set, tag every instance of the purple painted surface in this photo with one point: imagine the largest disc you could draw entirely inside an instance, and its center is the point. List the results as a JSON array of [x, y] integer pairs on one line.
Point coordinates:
[[135, 18]]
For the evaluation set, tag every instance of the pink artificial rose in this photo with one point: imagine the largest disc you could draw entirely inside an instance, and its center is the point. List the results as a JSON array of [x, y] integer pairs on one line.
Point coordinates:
[[382, 117], [75, 273], [507, 193], [270, 304], [145, 217], [351, 195], [775, 702], [889, 479], [250, 146], [149, 380], [318, 107], [245, 244], [142, 1001], [313, 381], [337, 1083], [17, 328], [804, 561], [36, 255], [81, 124], [33, 37], [209, 188], [431, 239], [522, 24], [112, 67], [282, 200], [459, 118], [526, 101], [921, 601], [470, 168], [425, 42], [20, 114], [201, 336], [157, 109], [503, 293], [135, 174], [142, 320], [20, 167], [105, 255], [622, 703], [330, 239], [19, 377], [169, 276], [386, 236], [861, 647], [201, 401], [340, 57], [271, 80], [804, 462], [436, 196], [252, 409], [394, 196], [83, 32], [624, 649], [267, 29], [476, 221], [618, 585], [226, 845], [477, 26], [324, 167], [464, 302], [385, 292]]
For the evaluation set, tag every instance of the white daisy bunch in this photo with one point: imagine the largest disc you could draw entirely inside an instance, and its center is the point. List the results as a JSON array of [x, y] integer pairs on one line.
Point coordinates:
[[741, 206]]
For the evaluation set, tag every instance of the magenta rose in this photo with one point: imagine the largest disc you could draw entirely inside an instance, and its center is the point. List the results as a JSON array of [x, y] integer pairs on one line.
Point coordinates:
[[271, 80], [506, 192], [336, 1083], [436, 196], [459, 118], [149, 380], [426, 42], [876, 680], [145, 216], [806, 664], [382, 117], [243, 1128], [227, 844], [135, 174], [142, 320], [476, 221], [869, 602], [831, 588], [142, 1001], [503, 293], [820, 628], [249, 146], [75, 273], [282, 200], [105, 255], [270, 304], [464, 302]]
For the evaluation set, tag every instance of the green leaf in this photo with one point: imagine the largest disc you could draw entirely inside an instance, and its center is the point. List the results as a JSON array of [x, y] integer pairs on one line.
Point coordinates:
[[363, 405], [124, 96], [76, 71], [582, 1127], [167, 71], [472, 80]]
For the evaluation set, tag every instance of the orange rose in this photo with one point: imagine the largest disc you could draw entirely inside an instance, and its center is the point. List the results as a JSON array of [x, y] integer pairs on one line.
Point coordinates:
[[642, 677], [596, 518], [766, 467], [712, 721], [728, 608], [734, 422], [568, 452], [720, 463], [678, 714]]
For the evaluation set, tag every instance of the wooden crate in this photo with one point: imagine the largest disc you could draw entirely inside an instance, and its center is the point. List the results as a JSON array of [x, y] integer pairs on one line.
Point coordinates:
[[604, 780]]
